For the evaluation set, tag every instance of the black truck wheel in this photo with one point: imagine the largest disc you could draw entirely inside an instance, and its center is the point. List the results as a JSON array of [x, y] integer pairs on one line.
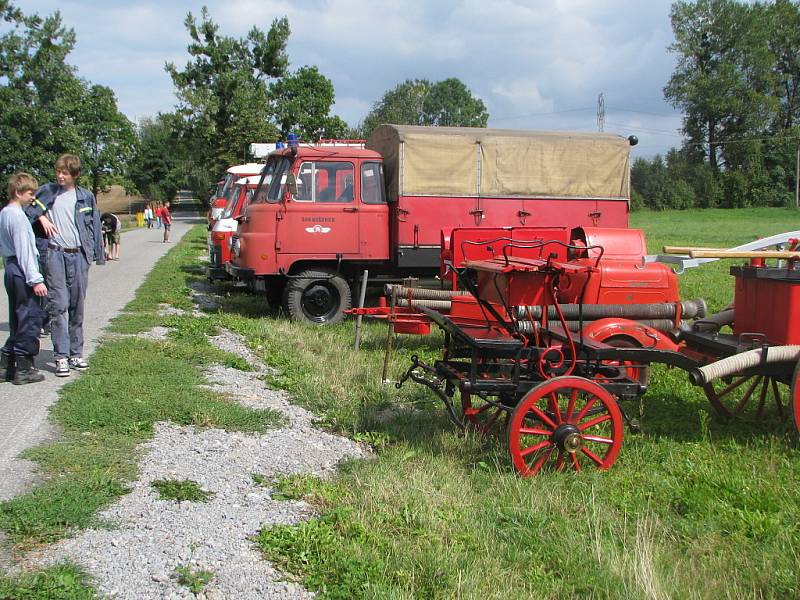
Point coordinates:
[[275, 291], [317, 296]]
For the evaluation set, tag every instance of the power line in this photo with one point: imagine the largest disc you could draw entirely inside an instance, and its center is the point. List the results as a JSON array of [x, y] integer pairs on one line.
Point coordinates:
[[543, 114]]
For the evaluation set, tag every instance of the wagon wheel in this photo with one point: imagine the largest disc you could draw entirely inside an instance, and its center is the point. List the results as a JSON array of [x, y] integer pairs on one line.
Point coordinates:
[[484, 417], [748, 396], [565, 423]]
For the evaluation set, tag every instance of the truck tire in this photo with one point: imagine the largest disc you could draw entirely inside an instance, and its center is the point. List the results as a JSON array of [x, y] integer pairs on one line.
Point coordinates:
[[275, 290], [317, 296]]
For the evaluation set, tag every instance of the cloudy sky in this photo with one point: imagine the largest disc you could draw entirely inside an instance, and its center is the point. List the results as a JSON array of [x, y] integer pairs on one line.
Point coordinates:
[[536, 64]]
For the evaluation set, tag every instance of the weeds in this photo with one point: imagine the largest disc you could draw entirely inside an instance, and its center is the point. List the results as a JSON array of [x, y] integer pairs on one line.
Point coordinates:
[[61, 582], [181, 490]]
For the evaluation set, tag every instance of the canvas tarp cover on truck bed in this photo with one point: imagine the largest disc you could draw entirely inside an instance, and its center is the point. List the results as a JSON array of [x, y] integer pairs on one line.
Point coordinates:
[[467, 161]]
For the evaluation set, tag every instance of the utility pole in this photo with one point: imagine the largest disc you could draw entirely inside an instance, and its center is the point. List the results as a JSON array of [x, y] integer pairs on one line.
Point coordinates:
[[601, 112], [797, 181]]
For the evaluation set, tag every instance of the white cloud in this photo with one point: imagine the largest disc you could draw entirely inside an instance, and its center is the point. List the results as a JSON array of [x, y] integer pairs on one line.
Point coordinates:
[[523, 94]]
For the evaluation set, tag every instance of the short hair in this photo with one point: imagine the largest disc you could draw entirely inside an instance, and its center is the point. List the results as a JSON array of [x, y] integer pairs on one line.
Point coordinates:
[[70, 163], [20, 183]]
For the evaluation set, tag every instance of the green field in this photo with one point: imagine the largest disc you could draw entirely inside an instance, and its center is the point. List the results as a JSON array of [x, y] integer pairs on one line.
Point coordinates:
[[695, 507]]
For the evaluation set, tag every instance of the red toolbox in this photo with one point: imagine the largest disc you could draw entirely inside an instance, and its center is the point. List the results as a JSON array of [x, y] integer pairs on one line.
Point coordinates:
[[767, 300]]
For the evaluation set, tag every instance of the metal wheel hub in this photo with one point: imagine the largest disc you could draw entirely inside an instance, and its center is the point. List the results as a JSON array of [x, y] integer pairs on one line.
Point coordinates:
[[318, 300], [568, 438]]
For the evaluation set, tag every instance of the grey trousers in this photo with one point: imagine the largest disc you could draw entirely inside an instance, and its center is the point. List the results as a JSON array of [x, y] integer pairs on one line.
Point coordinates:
[[66, 278]]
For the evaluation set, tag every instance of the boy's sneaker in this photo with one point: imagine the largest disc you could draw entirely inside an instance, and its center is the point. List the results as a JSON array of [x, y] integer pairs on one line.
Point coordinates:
[[76, 362], [62, 367]]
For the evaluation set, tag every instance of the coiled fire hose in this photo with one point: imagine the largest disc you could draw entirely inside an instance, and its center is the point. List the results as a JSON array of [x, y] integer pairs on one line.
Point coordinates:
[[743, 361]]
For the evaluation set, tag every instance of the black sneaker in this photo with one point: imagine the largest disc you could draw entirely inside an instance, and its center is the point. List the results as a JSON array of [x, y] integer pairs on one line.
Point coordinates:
[[62, 367]]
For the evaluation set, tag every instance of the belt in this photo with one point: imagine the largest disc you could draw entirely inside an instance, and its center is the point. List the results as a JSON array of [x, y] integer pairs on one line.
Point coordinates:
[[60, 249]]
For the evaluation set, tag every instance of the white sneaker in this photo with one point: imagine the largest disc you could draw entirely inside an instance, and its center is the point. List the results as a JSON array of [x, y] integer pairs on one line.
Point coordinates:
[[62, 367], [76, 362]]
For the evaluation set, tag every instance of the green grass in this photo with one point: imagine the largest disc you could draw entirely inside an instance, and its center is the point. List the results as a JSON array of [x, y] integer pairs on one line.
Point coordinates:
[[714, 228], [62, 582], [181, 490], [110, 409]]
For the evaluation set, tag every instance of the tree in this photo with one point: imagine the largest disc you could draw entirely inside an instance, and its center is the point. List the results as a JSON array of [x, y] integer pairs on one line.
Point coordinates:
[[302, 103], [38, 94], [223, 94], [419, 102], [402, 106], [449, 103], [108, 139], [722, 75], [783, 18], [157, 168], [46, 110]]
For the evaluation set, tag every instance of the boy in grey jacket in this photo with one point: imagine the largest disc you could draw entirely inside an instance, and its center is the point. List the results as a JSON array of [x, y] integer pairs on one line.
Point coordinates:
[[69, 217], [23, 283]]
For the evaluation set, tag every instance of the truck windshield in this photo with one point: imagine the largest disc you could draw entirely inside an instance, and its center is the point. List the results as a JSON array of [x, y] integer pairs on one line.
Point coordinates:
[[266, 179], [278, 183], [234, 200]]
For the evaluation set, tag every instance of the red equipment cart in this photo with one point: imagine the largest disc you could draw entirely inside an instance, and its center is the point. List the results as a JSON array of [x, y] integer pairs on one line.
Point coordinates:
[[557, 392]]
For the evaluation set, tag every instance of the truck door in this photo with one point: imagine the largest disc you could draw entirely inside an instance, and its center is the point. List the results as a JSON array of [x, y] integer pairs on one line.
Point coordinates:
[[322, 218], [373, 212]]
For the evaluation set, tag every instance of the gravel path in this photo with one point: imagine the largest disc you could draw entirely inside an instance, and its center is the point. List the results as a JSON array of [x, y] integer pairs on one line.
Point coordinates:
[[149, 538]]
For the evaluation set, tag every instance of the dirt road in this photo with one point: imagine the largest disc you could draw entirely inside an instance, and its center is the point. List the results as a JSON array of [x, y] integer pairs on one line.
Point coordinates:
[[23, 409]]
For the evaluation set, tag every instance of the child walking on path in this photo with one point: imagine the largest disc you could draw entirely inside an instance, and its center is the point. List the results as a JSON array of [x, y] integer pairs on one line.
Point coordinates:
[[166, 218], [23, 282]]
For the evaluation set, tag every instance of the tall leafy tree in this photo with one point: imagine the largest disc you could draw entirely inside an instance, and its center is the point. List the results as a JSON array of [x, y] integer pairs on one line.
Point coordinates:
[[47, 110], [420, 102], [154, 166], [38, 93], [223, 91], [302, 102], [783, 24], [449, 103], [402, 105], [108, 139], [721, 79]]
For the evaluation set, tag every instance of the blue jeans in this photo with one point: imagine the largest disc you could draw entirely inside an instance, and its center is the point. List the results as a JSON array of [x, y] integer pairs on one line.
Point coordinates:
[[66, 279]]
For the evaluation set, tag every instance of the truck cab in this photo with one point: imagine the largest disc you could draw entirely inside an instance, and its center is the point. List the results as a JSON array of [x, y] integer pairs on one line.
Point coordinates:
[[225, 226], [316, 212], [225, 187]]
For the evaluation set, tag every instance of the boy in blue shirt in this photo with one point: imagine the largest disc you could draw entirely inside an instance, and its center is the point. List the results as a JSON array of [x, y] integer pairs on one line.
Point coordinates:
[[23, 282]]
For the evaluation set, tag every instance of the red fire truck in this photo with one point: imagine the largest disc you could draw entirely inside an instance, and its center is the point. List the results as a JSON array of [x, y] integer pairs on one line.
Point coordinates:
[[225, 226], [323, 213], [225, 186]]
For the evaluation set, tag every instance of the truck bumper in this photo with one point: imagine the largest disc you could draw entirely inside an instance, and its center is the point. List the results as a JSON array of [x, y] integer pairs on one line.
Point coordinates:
[[241, 273], [217, 273]]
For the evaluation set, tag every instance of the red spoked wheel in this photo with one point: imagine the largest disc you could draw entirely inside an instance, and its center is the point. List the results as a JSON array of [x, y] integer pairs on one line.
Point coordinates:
[[565, 423], [484, 417], [748, 397]]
